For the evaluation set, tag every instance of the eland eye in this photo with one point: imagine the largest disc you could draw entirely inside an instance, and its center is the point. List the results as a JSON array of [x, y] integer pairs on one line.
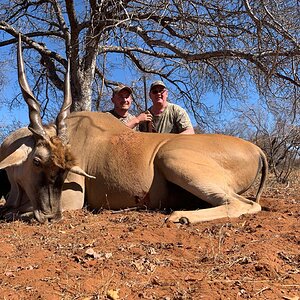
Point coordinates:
[[36, 162]]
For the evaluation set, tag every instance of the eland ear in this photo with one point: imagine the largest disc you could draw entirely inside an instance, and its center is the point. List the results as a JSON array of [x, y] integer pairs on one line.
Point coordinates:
[[16, 158], [77, 170]]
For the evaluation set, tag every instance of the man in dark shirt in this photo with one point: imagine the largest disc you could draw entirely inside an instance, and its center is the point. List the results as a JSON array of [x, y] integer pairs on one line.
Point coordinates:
[[122, 100]]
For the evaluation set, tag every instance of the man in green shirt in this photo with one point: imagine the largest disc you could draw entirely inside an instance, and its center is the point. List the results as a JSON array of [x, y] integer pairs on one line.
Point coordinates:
[[166, 117]]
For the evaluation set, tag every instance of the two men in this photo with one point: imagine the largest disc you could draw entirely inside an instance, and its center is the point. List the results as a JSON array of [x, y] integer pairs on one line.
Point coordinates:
[[164, 117]]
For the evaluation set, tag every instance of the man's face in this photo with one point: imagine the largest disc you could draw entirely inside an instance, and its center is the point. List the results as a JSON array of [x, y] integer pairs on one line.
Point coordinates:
[[159, 94], [122, 100]]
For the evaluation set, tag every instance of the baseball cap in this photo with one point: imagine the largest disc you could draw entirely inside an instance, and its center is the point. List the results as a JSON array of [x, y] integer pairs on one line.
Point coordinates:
[[120, 88], [157, 82]]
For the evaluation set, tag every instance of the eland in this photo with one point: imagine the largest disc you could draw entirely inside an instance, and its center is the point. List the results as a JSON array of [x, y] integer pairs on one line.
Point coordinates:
[[92, 159]]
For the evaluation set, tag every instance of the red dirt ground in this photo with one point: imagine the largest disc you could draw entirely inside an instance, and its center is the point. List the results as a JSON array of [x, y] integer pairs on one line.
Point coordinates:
[[135, 255]]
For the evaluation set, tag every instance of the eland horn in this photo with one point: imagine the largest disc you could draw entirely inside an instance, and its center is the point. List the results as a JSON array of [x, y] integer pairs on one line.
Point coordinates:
[[35, 126], [65, 109]]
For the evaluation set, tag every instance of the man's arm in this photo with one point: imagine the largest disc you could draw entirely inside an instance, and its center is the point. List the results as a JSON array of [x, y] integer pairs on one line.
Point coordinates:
[[143, 117], [183, 121]]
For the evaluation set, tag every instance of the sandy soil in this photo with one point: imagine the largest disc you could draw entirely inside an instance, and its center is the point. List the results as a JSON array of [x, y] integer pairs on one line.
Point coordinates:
[[136, 255]]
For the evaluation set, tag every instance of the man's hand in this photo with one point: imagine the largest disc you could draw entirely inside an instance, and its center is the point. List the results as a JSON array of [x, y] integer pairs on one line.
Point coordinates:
[[144, 117], [141, 118]]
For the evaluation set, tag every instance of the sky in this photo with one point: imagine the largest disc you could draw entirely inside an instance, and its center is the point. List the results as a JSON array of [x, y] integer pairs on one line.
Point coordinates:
[[20, 113], [7, 116]]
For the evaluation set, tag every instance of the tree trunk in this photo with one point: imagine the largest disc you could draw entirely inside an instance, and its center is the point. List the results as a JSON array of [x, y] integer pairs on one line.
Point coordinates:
[[82, 86]]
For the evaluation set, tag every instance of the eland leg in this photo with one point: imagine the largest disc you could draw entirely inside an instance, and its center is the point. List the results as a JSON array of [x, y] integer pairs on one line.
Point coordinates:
[[73, 192], [209, 183]]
